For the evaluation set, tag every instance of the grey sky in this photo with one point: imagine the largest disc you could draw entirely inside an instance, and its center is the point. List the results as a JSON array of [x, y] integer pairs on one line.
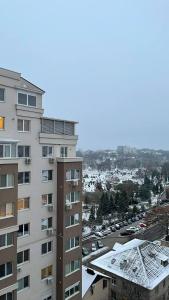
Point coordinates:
[[103, 63]]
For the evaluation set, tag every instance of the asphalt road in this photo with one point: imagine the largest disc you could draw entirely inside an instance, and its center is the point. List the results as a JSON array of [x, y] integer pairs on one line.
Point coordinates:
[[110, 239]]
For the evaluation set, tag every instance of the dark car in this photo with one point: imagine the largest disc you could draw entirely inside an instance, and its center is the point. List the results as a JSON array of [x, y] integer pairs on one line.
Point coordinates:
[[125, 223], [100, 244], [129, 221], [123, 233], [85, 251], [112, 228]]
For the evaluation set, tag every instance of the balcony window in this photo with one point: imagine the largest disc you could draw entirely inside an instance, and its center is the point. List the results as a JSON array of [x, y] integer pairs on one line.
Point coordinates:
[[2, 123], [71, 267], [7, 150], [72, 220], [6, 210], [72, 197], [72, 174], [6, 240], [2, 95], [27, 100], [72, 243], [72, 290], [63, 151], [5, 270], [6, 181], [8, 296]]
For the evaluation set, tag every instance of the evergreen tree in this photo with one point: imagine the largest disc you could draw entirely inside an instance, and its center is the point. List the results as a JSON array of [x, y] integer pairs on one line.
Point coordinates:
[[92, 214]]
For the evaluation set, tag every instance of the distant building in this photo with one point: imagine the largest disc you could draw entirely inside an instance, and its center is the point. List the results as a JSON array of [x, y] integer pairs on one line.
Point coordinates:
[[95, 285], [139, 270]]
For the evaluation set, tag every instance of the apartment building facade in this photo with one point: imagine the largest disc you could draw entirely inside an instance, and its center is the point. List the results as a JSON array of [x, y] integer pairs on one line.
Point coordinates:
[[40, 197]]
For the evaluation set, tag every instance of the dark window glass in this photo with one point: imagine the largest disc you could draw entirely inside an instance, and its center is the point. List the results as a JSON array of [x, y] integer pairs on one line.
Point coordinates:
[[26, 228], [26, 255], [8, 268], [9, 238], [44, 151], [49, 198], [44, 248], [31, 100], [50, 174], [20, 151], [2, 270], [26, 281], [2, 240], [20, 177], [19, 257], [1, 150], [27, 177], [2, 94], [22, 99], [49, 246], [49, 222], [9, 296]]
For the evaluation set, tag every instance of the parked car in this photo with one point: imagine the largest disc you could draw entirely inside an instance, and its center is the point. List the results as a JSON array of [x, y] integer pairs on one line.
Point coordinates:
[[93, 247], [142, 225], [137, 218], [133, 219], [129, 221], [85, 251], [117, 226], [107, 231], [112, 228], [100, 244], [98, 233], [125, 223], [123, 233]]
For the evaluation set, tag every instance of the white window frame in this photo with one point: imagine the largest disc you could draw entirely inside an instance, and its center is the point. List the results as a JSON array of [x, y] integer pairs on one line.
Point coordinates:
[[70, 242], [6, 207], [8, 275], [75, 269], [24, 177], [48, 155], [10, 150], [22, 279], [69, 197], [27, 94], [74, 172], [23, 200], [7, 181], [46, 176], [23, 127], [47, 200], [47, 243], [24, 156], [23, 231], [7, 294], [46, 220], [70, 287], [6, 241], [63, 153], [74, 218], [23, 261]]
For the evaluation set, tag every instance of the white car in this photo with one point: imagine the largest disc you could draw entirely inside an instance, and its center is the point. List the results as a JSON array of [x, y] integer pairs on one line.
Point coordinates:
[[93, 247], [100, 234]]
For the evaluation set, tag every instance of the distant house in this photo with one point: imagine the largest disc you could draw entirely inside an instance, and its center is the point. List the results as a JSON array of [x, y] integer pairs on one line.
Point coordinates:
[[95, 285], [139, 270]]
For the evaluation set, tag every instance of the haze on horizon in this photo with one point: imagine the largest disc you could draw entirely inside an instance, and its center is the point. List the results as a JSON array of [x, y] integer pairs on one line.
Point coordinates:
[[102, 63]]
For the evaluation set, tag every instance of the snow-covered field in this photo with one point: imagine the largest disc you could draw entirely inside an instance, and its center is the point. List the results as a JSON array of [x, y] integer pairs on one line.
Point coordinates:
[[91, 177]]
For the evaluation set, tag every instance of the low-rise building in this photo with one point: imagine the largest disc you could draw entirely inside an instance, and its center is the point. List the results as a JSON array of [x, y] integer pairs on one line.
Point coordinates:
[[139, 270], [95, 285]]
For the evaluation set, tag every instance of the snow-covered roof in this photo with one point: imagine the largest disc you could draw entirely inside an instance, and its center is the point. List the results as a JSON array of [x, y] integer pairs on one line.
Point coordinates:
[[142, 262], [87, 279]]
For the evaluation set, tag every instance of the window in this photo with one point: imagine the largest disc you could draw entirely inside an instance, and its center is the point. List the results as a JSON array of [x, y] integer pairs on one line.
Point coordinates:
[[47, 199], [8, 296], [72, 220], [6, 240], [6, 210], [46, 248], [7, 150], [23, 230], [72, 290], [23, 151], [2, 95], [23, 203], [23, 177], [25, 99], [72, 197], [5, 270], [73, 266], [23, 256], [2, 123], [23, 283], [47, 151], [63, 152], [6, 181], [104, 283], [46, 272], [113, 294], [47, 175], [72, 243], [23, 125], [114, 280], [72, 174], [46, 223]]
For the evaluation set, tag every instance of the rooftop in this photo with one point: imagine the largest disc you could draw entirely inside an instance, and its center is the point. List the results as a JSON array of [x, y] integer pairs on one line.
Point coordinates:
[[142, 262]]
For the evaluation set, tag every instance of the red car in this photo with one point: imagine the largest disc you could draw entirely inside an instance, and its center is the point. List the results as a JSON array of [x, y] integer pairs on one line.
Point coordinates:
[[142, 225]]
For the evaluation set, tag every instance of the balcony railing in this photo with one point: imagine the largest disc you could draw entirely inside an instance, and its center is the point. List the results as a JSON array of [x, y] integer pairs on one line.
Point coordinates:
[[54, 126]]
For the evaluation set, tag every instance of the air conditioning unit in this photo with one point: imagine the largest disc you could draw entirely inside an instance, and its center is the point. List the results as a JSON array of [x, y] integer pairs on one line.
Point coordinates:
[[19, 269], [49, 280], [75, 182], [49, 231], [51, 160], [50, 207], [68, 206], [27, 161]]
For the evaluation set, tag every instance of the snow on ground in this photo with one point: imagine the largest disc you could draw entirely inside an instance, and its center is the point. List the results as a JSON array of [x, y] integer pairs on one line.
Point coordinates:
[[91, 177]]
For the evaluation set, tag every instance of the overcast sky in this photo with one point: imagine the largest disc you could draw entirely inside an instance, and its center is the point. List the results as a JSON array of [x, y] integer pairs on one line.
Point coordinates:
[[104, 63]]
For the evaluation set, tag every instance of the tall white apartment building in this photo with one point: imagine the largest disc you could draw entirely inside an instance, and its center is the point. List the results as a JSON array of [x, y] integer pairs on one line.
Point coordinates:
[[40, 197]]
